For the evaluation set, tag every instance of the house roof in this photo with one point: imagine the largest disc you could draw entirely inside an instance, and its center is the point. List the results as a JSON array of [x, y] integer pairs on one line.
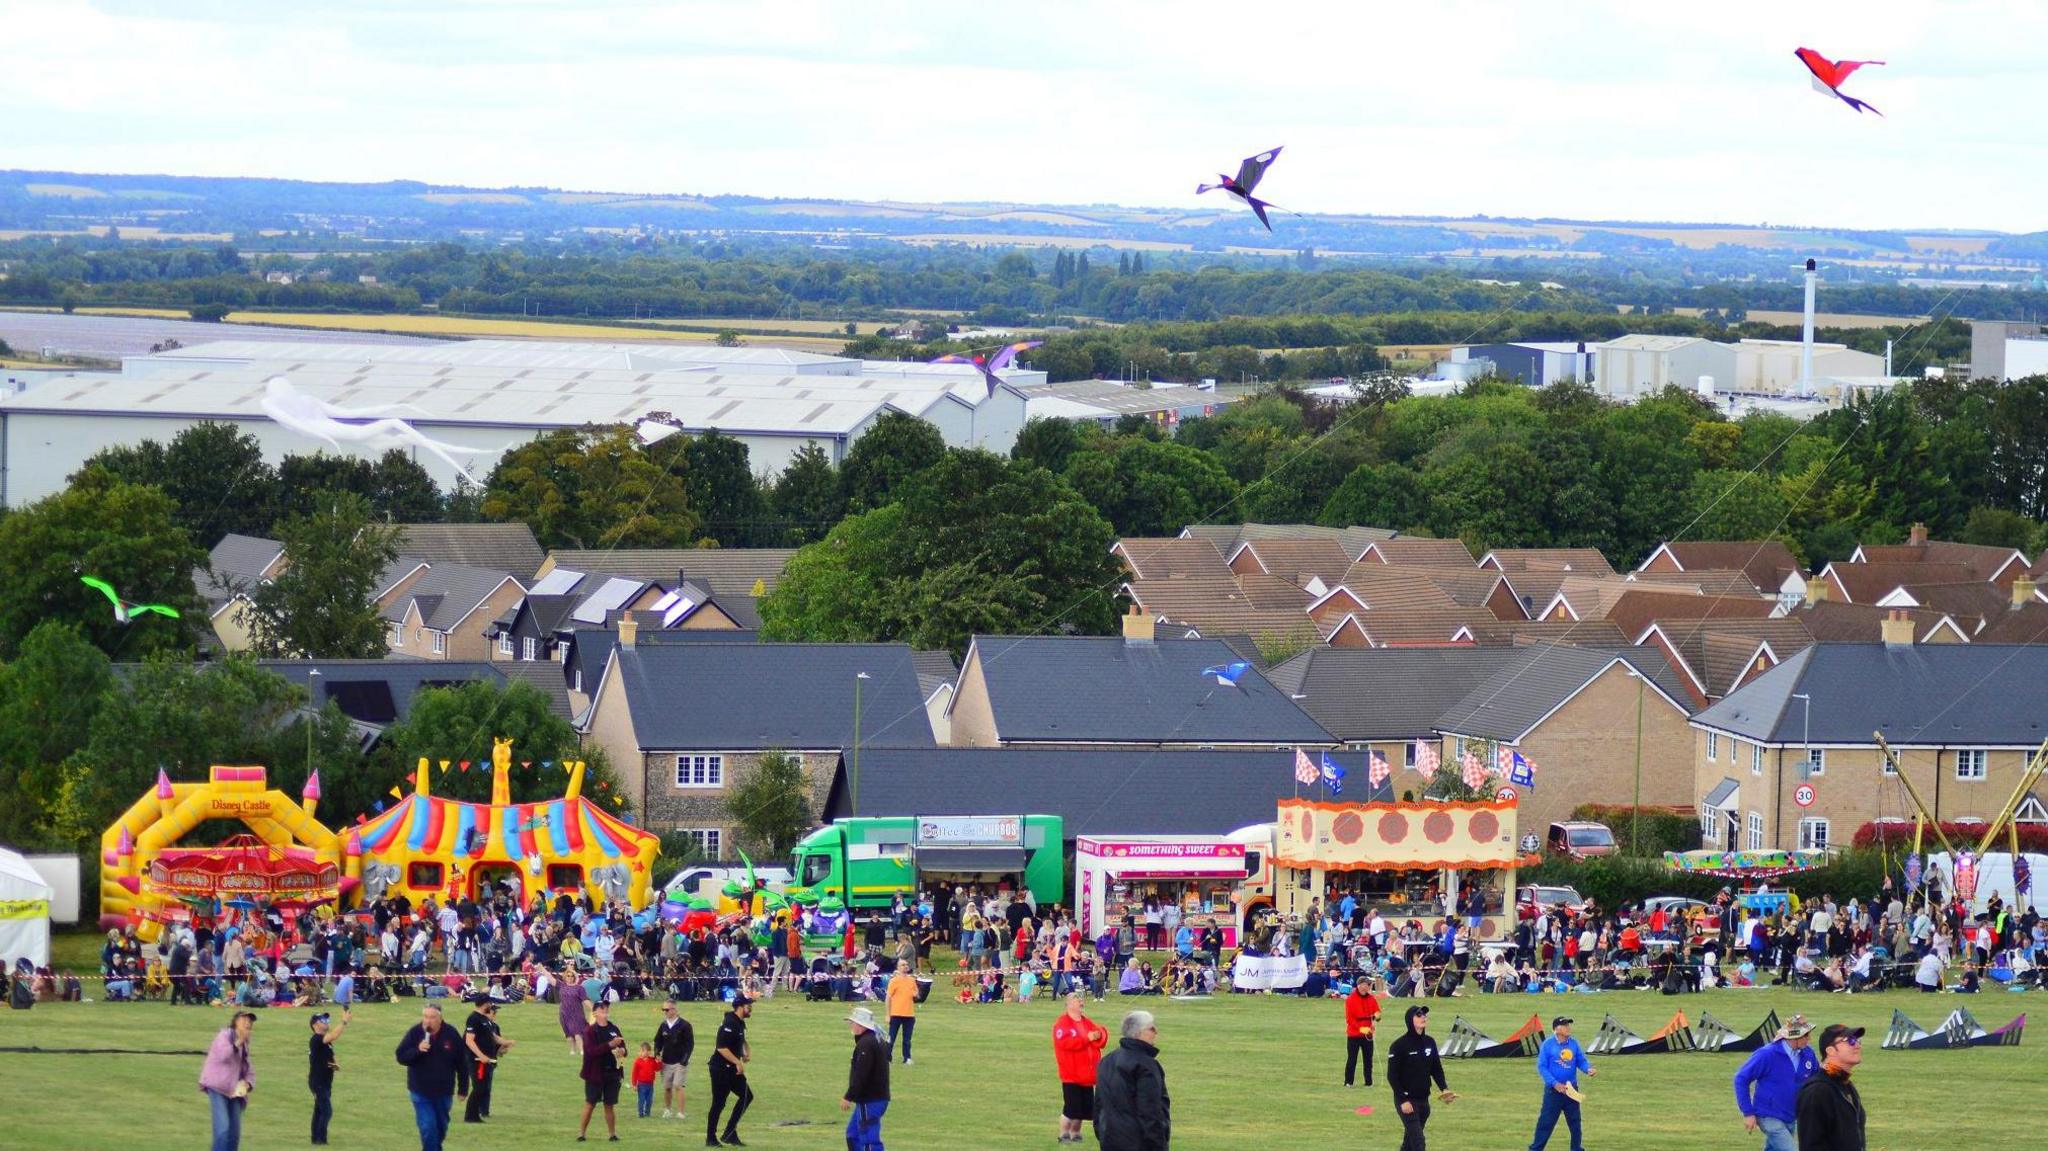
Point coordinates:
[[1642, 606], [2027, 624], [1226, 537], [1421, 552], [1213, 604], [1976, 600], [1360, 694], [1424, 626], [237, 559], [447, 593], [1832, 622], [730, 573], [935, 669], [549, 612], [589, 647], [1718, 651], [1297, 561], [1109, 791], [1984, 561], [1768, 563], [752, 696], [378, 692], [1104, 689], [1157, 557], [1379, 588], [1869, 582], [1583, 632], [500, 547], [1517, 698], [1917, 695], [1579, 561]]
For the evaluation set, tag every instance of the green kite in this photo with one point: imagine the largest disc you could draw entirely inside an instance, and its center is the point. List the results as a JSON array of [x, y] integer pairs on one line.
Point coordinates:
[[125, 612]]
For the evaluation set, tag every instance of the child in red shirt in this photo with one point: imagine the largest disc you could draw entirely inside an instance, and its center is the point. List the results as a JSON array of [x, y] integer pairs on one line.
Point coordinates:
[[645, 1069]]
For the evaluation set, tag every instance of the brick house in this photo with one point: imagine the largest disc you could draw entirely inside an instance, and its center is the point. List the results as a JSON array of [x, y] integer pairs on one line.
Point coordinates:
[[683, 723], [446, 611]]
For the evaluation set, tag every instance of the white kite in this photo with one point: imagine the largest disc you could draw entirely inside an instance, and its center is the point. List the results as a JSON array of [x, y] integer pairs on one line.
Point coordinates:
[[320, 420]]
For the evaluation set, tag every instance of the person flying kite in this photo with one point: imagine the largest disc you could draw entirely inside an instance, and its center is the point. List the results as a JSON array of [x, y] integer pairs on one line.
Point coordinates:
[[125, 612], [1828, 76], [1247, 178], [320, 420]]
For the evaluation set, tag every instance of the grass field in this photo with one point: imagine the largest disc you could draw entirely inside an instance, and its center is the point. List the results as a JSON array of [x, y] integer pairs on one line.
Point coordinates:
[[1244, 1072]]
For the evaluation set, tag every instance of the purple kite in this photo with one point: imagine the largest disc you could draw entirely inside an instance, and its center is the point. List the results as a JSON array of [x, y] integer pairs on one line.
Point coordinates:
[[991, 364], [1247, 179], [1828, 76]]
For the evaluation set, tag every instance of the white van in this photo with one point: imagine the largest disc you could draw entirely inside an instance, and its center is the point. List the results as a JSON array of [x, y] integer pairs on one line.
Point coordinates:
[[709, 879]]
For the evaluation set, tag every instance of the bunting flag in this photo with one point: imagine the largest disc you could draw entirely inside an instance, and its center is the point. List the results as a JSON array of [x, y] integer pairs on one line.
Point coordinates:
[[1304, 770], [409, 778], [361, 818], [546, 763], [526, 763], [380, 807], [444, 767], [1475, 769], [1522, 773], [465, 766], [1377, 771], [395, 793], [1426, 759], [1333, 776]]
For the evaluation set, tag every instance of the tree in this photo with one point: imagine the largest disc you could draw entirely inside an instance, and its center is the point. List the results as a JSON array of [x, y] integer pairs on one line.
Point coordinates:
[[728, 338], [896, 448], [214, 473], [721, 488], [125, 534], [1733, 505], [593, 487], [398, 489], [322, 605], [806, 497], [1379, 495], [1048, 443], [458, 723], [771, 804], [1998, 528], [1147, 487], [48, 697]]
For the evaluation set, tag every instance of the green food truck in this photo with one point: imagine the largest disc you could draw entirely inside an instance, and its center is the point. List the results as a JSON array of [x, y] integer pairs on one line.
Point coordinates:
[[866, 862]]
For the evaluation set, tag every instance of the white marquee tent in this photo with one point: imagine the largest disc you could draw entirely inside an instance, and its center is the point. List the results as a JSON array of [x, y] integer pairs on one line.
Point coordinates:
[[24, 911]]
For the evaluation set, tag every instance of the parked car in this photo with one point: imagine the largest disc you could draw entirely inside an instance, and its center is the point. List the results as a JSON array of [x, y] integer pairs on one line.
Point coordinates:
[[1581, 840], [707, 879], [1534, 898]]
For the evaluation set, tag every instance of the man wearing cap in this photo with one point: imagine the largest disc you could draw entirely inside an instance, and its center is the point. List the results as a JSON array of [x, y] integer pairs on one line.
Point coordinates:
[[1412, 1065], [1560, 1062], [604, 1069], [867, 1084], [320, 1070], [729, 1073], [1830, 1111], [1767, 1085]]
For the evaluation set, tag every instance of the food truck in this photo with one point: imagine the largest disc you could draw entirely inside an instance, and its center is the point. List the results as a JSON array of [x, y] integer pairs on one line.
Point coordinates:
[[1199, 874], [1409, 860]]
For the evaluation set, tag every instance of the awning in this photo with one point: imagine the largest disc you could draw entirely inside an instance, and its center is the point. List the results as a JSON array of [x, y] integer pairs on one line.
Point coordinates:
[[971, 860], [1725, 796]]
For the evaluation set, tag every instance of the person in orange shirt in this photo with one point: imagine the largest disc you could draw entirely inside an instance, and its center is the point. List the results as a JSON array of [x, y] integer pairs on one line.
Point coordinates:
[[1077, 1044], [1361, 1019], [902, 996]]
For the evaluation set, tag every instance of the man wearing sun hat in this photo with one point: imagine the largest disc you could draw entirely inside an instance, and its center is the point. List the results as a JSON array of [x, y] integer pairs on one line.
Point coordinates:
[[867, 1084], [1767, 1085], [1560, 1062], [1830, 1111]]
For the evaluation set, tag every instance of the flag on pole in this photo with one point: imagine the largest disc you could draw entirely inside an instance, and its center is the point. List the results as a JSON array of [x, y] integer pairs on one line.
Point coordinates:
[[1333, 775], [1475, 769], [1304, 770], [1503, 758], [2022, 874], [1426, 759], [1522, 773], [1377, 771]]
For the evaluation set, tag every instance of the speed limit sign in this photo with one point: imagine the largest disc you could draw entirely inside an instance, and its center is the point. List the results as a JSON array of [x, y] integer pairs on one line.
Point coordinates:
[[1504, 795], [1803, 795]]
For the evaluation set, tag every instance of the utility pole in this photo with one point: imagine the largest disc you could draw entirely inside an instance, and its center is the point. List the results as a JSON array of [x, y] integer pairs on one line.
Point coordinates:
[[1635, 815], [854, 789]]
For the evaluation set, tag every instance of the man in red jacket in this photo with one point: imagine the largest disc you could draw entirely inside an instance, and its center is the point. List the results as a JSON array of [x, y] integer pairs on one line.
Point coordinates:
[[1361, 1016], [1077, 1044]]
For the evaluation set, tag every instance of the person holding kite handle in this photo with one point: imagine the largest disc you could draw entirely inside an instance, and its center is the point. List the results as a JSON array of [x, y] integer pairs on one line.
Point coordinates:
[[1560, 1062], [1412, 1065], [1767, 1085]]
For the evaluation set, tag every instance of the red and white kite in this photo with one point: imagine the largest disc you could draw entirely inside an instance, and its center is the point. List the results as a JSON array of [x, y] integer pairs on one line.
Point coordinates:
[[1828, 76]]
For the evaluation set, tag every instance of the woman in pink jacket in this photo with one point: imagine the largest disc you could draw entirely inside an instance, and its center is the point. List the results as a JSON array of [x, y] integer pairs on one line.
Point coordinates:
[[227, 1080]]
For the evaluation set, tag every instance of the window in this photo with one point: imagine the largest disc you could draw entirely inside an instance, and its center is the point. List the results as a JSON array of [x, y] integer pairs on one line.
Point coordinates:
[[1970, 763], [1408, 755], [1756, 759], [505, 644], [1755, 832], [423, 876], [1813, 834], [564, 877], [1713, 746], [815, 870], [579, 681], [700, 771], [1710, 824], [707, 838], [1819, 756], [397, 637], [526, 649], [440, 643]]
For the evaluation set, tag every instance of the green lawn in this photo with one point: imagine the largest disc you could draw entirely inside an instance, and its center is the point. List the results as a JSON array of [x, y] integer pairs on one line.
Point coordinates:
[[1245, 1072]]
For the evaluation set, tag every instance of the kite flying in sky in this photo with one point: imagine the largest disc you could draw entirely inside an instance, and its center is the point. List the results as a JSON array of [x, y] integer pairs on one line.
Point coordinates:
[[991, 364], [1247, 178], [1828, 76], [124, 611], [320, 420]]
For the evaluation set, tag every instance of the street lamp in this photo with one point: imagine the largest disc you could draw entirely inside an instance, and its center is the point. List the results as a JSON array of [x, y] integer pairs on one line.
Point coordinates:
[[1635, 815], [313, 703], [1805, 752], [854, 799]]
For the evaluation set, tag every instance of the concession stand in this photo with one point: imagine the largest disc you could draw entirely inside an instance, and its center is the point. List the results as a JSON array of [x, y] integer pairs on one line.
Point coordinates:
[[1197, 873]]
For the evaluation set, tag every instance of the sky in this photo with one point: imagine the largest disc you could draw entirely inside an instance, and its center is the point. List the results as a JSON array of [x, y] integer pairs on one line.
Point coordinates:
[[1569, 108]]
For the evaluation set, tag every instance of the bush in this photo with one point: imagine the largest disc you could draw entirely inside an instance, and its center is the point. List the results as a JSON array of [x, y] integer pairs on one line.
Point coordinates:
[[1661, 830], [1899, 836], [1613, 880], [210, 313]]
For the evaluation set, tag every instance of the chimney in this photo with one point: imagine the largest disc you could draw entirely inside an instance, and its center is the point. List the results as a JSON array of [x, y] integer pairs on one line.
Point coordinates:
[[1918, 536], [629, 629], [1816, 590], [1897, 628], [2022, 591], [1137, 625]]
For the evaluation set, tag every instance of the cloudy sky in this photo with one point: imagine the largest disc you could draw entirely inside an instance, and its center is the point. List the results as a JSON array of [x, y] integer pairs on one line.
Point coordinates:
[[1634, 110]]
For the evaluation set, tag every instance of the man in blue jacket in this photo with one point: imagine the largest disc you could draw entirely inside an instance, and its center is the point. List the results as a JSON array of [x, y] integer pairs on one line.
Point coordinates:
[[1560, 1062], [1767, 1086]]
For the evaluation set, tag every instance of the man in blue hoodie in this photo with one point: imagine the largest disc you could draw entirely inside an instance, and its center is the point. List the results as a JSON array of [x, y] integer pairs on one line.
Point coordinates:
[[1767, 1086], [1560, 1062]]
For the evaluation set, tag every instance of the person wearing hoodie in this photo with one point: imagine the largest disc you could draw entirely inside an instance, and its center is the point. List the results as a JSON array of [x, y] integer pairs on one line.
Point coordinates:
[[1132, 1111], [1412, 1065], [1767, 1085], [1830, 1110]]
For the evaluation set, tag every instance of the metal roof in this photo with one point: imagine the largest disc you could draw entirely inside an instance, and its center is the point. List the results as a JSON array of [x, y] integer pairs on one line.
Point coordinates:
[[508, 353], [1123, 399]]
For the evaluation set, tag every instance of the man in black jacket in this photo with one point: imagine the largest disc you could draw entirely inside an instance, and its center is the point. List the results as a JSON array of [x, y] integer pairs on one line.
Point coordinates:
[[431, 1051], [1830, 1111], [729, 1057], [1412, 1063], [1132, 1111], [674, 1041], [867, 1084]]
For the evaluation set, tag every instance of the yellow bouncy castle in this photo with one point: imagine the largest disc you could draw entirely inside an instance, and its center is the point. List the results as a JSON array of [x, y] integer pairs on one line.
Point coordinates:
[[144, 877], [428, 846]]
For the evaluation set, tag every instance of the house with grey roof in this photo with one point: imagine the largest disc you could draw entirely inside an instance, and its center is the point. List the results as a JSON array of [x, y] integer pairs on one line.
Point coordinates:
[[500, 547], [237, 564], [376, 693], [1791, 758], [735, 578], [1088, 691], [684, 722], [445, 611]]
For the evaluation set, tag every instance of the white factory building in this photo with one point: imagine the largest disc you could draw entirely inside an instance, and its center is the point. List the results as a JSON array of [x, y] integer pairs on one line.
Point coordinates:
[[488, 396], [2007, 350], [1635, 366]]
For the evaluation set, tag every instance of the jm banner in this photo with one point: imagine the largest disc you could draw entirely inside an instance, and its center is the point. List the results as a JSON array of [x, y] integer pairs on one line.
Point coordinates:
[[1266, 972]]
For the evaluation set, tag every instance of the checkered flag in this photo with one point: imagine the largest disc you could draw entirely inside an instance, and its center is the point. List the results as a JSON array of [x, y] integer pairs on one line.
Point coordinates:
[[1475, 770]]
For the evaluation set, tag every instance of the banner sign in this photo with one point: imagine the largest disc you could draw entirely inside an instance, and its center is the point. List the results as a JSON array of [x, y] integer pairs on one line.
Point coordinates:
[[971, 830], [1266, 972]]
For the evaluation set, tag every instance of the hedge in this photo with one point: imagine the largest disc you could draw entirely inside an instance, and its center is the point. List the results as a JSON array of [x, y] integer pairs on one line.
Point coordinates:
[[1614, 880], [1899, 836], [1661, 829]]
